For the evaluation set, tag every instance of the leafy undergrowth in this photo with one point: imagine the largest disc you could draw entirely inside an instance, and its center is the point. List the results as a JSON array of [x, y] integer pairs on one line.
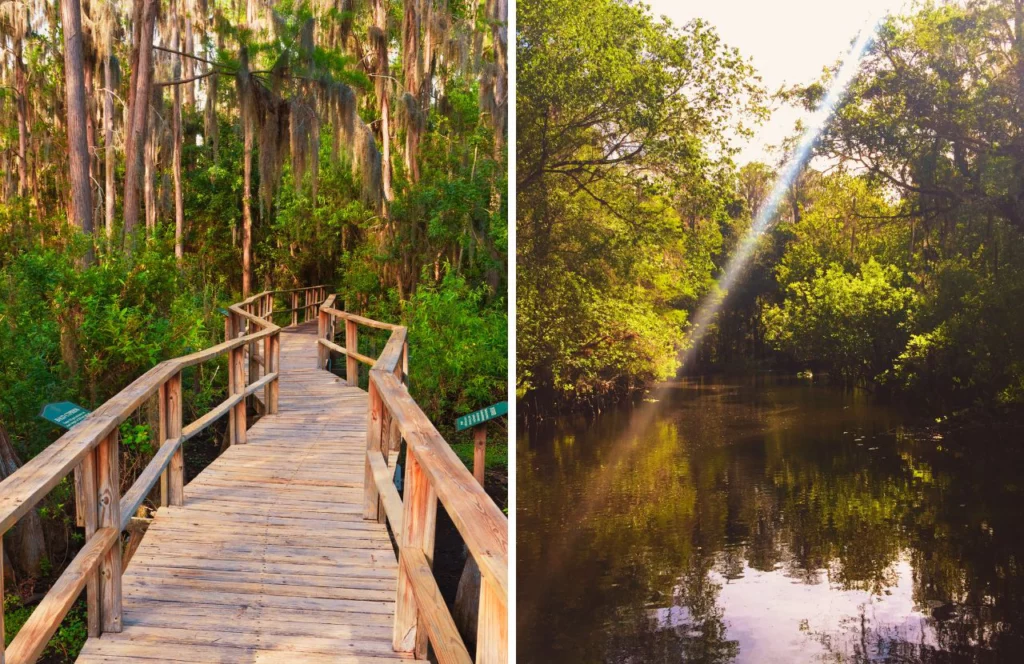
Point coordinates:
[[65, 644]]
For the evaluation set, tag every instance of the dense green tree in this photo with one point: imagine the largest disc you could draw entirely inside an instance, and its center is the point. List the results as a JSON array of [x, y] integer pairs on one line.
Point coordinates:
[[622, 182]]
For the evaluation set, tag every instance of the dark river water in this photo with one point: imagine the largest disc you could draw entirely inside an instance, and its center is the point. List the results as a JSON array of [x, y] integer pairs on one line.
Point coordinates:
[[767, 521]]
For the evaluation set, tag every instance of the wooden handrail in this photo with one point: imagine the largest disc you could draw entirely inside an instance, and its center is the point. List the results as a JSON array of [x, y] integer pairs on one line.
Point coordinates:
[[92, 445], [432, 472]]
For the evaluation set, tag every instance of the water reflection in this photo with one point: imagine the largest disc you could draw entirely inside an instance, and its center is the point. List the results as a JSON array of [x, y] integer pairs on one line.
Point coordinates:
[[766, 522]]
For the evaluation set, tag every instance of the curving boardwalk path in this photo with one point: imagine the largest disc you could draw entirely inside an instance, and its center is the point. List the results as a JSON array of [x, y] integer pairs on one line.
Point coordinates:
[[270, 559]]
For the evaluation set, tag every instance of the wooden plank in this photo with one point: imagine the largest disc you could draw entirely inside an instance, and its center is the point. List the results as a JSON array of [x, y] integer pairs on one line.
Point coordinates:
[[433, 612], [3, 656], [258, 385], [44, 621], [217, 412], [383, 478], [359, 320], [351, 356], [374, 425], [171, 409], [90, 521], [492, 626], [108, 481]]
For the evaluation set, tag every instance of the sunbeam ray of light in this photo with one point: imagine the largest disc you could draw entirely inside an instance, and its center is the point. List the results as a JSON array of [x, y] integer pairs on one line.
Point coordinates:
[[741, 256]]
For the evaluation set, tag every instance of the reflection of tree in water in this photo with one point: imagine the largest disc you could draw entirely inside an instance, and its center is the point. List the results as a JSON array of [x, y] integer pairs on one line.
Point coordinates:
[[690, 629], [859, 641], [635, 584]]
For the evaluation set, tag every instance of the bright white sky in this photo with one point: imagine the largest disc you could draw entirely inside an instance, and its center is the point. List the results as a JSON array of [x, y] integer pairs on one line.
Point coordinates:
[[790, 42]]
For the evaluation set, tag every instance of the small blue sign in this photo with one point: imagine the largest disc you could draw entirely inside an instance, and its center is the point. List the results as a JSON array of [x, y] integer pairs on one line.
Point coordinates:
[[481, 416], [64, 413]]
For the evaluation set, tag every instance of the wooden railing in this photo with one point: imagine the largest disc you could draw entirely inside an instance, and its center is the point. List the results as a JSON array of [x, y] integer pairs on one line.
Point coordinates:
[[92, 448], [432, 472]]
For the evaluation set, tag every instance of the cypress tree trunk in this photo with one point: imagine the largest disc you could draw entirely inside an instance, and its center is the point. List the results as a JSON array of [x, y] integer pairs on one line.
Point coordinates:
[[78, 147], [108, 139], [21, 103], [380, 22], [179, 214], [247, 210], [26, 542], [142, 79]]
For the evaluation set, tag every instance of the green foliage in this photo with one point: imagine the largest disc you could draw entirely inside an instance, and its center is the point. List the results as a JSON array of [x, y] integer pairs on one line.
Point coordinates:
[[458, 349], [857, 323], [623, 189], [65, 644], [83, 334]]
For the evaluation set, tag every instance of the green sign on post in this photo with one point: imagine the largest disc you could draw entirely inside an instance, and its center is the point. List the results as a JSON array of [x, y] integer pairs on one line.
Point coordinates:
[[481, 416], [64, 413]]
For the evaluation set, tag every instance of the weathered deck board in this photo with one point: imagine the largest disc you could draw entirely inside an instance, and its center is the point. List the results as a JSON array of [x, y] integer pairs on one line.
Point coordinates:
[[270, 559]]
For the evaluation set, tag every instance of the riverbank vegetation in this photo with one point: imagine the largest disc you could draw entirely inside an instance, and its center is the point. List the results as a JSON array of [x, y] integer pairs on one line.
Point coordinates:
[[166, 159], [895, 261]]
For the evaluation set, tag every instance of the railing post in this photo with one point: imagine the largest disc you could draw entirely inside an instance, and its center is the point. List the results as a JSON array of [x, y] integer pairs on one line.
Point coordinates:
[[172, 481], [295, 307], [491, 627], [254, 367], [108, 483], [236, 365], [322, 352], [351, 345], [275, 386], [90, 518], [230, 335], [374, 435], [405, 363], [268, 368], [418, 529], [2, 596]]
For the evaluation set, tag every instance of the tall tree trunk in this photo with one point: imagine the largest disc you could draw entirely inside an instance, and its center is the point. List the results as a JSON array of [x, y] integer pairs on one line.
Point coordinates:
[[142, 77], [78, 146], [380, 41], [412, 59], [189, 63], [26, 542], [179, 214], [499, 29], [20, 84], [151, 145], [108, 140], [247, 209]]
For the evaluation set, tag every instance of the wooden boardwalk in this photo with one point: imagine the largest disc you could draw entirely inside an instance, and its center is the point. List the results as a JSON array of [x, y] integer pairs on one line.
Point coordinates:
[[279, 550], [270, 558]]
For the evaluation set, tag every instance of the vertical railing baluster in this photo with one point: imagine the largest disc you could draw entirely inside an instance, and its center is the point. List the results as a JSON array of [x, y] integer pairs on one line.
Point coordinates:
[[322, 351], [90, 517], [2, 596], [108, 487], [275, 385], [171, 414], [254, 369], [374, 434], [236, 366], [268, 368], [295, 308], [491, 627], [352, 346], [230, 335], [419, 510]]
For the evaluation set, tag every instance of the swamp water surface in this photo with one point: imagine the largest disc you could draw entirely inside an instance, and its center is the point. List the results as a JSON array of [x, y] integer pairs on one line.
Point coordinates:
[[766, 521]]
